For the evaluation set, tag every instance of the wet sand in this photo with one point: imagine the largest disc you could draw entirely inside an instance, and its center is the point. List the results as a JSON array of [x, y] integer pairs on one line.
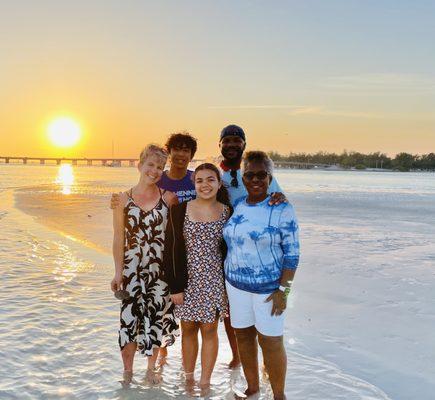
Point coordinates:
[[83, 217]]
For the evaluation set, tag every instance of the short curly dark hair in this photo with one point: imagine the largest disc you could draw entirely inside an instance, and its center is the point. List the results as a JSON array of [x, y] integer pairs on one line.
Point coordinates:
[[182, 139], [260, 157]]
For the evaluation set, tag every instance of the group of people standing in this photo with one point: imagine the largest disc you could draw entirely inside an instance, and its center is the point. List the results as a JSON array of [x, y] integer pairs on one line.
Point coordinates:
[[192, 248]]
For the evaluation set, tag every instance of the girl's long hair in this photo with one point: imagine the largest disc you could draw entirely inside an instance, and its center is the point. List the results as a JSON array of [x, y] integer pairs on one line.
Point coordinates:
[[222, 194]]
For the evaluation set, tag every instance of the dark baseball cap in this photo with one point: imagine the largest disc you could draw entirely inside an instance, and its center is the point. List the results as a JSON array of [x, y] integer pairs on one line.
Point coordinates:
[[233, 130]]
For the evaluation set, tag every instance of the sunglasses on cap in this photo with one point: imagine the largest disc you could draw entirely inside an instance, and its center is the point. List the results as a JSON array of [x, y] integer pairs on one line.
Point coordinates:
[[249, 176], [234, 182]]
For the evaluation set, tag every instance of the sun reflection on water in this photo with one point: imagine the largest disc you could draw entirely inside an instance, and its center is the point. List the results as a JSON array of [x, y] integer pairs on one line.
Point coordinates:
[[65, 178]]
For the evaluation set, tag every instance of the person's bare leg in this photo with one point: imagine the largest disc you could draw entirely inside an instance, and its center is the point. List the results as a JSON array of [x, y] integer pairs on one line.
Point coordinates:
[[248, 351], [127, 354], [209, 351], [161, 359], [152, 359], [231, 335], [151, 374], [189, 347], [275, 360]]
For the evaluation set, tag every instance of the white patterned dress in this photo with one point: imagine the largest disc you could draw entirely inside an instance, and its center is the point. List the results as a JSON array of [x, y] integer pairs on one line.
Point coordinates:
[[147, 316]]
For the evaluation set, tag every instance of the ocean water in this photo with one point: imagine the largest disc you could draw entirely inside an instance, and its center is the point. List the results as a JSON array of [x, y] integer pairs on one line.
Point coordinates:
[[359, 325]]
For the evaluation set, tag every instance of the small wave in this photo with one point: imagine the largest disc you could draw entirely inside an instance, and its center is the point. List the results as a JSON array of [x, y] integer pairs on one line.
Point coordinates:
[[311, 378]]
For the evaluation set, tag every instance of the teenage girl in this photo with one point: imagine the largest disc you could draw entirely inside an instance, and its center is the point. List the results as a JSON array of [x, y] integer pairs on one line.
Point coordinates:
[[193, 262]]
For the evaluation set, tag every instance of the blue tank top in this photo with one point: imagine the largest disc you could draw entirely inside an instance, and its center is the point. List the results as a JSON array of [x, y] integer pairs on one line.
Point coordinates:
[[183, 188]]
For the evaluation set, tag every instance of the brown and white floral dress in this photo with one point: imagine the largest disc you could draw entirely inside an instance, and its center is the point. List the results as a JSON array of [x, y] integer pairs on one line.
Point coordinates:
[[147, 316], [205, 299]]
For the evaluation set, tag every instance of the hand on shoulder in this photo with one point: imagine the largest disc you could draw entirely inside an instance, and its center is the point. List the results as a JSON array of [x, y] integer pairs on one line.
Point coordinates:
[[118, 200], [277, 198], [170, 198], [123, 198]]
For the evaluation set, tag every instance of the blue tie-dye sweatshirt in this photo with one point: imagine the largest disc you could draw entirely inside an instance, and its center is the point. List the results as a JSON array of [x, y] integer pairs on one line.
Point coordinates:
[[262, 240]]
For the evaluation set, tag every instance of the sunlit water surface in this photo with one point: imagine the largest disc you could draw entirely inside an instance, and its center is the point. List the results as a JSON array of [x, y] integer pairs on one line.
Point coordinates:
[[58, 320]]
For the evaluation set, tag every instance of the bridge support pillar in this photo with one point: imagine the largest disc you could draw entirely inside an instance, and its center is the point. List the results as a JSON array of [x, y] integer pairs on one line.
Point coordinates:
[[42, 161], [7, 160], [58, 161], [104, 162], [131, 163], [24, 160], [89, 162], [74, 162]]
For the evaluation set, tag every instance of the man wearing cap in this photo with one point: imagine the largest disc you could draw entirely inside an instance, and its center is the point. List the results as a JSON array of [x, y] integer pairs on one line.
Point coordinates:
[[232, 143]]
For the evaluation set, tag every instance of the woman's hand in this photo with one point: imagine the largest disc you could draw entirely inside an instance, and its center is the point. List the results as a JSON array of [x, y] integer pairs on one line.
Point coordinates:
[[115, 200], [116, 283], [177, 298], [277, 198], [279, 302]]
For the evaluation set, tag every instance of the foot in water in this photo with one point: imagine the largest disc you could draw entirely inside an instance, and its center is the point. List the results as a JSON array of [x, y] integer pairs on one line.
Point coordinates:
[[205, 389], [248, 395], [127, 378], [189, 382], [153, 377]]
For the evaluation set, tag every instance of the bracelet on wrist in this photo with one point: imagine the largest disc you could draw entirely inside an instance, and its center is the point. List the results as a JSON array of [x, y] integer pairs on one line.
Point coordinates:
[[285, 290]]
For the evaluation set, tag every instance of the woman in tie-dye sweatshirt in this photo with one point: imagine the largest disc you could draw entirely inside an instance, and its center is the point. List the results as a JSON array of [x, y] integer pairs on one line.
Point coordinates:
[[263, 254]]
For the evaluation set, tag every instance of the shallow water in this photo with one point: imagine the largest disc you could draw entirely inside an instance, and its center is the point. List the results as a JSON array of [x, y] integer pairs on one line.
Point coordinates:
[[359, 322]]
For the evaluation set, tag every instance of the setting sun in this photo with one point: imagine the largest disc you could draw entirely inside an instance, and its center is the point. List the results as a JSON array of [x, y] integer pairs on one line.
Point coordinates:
[[64, 132]]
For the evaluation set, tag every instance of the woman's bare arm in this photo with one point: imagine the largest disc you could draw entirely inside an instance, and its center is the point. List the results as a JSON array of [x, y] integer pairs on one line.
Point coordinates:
[[118, 244]]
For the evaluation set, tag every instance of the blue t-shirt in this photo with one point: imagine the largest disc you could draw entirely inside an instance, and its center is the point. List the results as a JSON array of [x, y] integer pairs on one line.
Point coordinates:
[[238, 192], [262, 240], [183, 188]]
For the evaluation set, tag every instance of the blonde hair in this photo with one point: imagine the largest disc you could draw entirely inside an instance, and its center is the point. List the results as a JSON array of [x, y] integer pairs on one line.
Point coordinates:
[[153, 150]]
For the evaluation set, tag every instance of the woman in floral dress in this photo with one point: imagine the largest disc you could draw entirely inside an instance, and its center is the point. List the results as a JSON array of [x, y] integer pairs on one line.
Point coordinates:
[[147, 319], [193, 261]]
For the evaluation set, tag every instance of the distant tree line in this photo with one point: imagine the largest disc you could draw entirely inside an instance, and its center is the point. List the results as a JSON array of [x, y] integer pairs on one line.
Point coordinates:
[[353, 159]]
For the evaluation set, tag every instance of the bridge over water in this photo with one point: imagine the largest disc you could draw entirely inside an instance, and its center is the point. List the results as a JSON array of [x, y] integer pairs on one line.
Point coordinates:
[[118, 162], [113, 162]]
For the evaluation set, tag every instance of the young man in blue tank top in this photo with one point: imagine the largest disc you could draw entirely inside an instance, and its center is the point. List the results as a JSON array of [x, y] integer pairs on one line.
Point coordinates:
[[178, 179]]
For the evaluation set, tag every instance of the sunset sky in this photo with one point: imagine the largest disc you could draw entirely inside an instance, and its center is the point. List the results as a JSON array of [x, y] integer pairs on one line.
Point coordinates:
[[296, 75]]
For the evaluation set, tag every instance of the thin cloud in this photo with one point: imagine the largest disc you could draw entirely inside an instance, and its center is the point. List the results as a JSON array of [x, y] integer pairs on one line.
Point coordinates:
[[323, 112], [382, 83], [300, 110], [248, 107]]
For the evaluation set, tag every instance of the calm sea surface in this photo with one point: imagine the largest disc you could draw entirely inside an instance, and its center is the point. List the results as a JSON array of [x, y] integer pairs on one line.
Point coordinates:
[[359, 325]]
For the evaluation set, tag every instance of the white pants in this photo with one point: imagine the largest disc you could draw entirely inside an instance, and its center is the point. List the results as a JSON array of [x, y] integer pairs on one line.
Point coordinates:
[[250, 309]]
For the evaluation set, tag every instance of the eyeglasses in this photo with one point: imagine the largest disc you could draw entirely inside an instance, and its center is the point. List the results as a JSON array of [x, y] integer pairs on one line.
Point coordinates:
[[234, 182], [122, 294], [249, 176]]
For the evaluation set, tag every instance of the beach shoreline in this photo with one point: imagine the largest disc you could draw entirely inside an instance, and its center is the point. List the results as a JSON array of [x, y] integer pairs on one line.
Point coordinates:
[[364, 281], [76, 216]]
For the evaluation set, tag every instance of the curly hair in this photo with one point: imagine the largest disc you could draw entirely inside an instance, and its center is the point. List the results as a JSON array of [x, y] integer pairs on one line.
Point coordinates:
[[260, 157], [182, 139]]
